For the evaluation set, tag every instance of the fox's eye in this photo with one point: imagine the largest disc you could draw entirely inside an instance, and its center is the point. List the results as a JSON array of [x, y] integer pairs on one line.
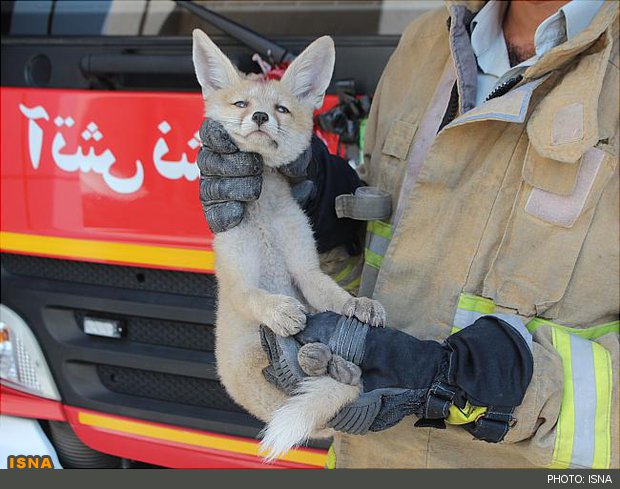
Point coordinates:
[[282, 109], [242, 104]]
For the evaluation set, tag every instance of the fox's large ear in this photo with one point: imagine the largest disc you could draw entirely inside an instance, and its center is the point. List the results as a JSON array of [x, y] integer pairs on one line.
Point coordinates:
[[213, 69], [309, 75]]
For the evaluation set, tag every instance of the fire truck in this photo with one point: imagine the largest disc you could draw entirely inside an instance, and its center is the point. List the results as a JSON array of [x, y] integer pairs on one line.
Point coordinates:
[[108, 292]]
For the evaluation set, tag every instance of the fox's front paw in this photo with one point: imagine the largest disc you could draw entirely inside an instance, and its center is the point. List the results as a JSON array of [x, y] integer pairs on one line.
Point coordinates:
[[287, 317], [366, 310]]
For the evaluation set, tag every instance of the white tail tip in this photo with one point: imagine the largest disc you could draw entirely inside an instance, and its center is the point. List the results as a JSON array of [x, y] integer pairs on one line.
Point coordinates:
[[317, 400]]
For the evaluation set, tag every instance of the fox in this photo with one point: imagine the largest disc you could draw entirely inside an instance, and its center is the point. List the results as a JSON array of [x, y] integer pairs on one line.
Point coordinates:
[[267, 267]]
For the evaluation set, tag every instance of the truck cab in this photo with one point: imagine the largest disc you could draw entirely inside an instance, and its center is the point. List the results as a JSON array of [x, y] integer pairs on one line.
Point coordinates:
[[107, 269]]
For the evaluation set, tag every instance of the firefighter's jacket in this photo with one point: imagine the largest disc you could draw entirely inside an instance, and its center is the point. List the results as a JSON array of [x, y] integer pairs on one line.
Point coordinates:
[[512, 207]]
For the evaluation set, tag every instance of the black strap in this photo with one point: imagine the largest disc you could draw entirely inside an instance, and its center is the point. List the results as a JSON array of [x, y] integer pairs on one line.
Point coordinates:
[[493, 425], [438, 401]]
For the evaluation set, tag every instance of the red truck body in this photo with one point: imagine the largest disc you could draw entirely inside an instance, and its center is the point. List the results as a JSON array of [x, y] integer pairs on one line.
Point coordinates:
[[100, 217], [110, 177]]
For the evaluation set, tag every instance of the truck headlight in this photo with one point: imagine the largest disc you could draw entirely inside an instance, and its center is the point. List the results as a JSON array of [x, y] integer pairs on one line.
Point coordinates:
[[22, 364]]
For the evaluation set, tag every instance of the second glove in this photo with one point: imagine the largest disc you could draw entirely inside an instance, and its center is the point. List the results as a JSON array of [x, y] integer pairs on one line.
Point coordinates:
[[486, 364]]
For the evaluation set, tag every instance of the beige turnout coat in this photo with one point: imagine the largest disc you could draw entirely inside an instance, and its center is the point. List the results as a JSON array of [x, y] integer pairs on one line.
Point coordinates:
[[514, 205]]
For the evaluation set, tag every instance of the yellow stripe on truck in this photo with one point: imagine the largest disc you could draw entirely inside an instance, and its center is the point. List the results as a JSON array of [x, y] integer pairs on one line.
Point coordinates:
[[136, 254], [226, 444]]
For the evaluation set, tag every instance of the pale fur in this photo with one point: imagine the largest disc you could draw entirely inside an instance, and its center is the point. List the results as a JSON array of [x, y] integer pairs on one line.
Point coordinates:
[[312, 406], [268, 267]]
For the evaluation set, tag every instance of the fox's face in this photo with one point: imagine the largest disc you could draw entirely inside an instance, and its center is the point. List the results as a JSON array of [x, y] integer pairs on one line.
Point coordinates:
[[272, 118]]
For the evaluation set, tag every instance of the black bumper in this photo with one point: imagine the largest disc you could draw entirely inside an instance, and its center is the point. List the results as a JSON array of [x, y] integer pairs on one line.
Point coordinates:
[[162, 369]]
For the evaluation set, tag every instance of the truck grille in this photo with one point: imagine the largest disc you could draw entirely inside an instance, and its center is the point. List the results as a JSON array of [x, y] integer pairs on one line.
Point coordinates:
[[174, 334], [179, 389], [148, 279], [160, 369]]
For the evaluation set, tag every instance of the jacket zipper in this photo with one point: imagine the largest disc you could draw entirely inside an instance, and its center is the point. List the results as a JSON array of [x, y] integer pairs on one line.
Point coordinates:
[[504, 87]]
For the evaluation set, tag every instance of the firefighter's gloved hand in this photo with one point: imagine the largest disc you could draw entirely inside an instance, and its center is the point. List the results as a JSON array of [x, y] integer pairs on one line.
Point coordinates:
[[301, 174], [486, 364], [317, 178], [229, 178], [283, 370]]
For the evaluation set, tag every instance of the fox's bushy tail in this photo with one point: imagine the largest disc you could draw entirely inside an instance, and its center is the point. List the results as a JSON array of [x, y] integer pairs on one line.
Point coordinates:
[[316, 402]]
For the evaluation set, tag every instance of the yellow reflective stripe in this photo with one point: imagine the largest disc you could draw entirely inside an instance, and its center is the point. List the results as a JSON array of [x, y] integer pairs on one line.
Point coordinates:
[[602, 420], [330, 461], [482, 305], [469, 308], [373, 259], [590, 333], [565, 428], [378, 236], [474, 303], [347, 269], [212, 441], [353, 285], [108, 251], [380, 228], [459, 416], [361, 140], [582, 438]]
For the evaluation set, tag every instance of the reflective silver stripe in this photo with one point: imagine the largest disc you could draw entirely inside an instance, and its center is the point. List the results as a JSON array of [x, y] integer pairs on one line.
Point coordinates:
[[517, 323], [353, 275], [582, 432], [584, 399], [378, 244], [464, 318], [368, 281]]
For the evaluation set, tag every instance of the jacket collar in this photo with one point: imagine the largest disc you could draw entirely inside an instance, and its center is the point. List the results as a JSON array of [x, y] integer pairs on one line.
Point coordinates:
[[572, 101], [566, 122], [472, 5], [563, 53]]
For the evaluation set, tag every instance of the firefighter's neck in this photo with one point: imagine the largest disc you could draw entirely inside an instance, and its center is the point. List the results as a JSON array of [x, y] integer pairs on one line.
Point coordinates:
[[520, 23]]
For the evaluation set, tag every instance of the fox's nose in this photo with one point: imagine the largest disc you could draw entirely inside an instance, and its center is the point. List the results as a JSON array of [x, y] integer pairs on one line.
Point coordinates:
[[260, 118]]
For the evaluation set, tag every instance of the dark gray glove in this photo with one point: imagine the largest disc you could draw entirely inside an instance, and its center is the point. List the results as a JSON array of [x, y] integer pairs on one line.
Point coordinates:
[[229, 178], [487, 364], [300, 177], [283, 370]]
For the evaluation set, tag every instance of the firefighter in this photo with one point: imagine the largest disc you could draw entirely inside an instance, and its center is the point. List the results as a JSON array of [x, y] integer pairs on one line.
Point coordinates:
[[494, 132]]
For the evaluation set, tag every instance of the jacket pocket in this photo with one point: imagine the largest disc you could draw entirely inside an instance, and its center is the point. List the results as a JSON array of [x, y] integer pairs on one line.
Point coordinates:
[[394, 154], [546, 230]]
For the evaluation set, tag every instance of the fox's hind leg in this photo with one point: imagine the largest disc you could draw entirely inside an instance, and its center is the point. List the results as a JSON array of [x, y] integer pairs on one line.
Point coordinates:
[[316, 359]]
